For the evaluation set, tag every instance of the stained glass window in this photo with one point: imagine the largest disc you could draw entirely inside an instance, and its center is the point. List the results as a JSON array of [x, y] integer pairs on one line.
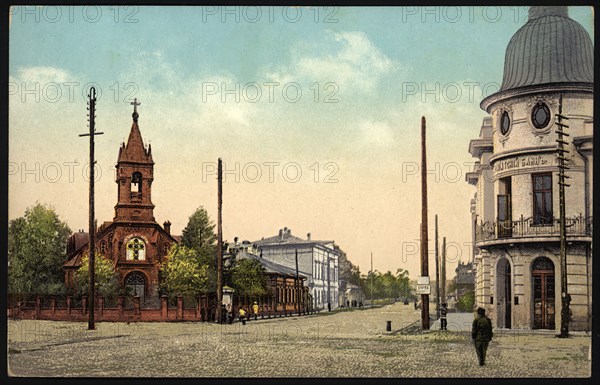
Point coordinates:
[[136, 250]]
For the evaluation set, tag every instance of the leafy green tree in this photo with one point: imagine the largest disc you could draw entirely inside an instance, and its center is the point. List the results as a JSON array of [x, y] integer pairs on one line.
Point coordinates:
[[200, 237], [36, 252], [105, 277], [183, 272], [248, 277], [466, 302]]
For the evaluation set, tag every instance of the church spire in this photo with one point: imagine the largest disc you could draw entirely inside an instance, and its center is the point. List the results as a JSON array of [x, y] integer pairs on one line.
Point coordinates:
[[134, 150]]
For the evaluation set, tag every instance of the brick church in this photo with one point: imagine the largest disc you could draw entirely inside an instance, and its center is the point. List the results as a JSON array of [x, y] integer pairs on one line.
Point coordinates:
[[134, 242]]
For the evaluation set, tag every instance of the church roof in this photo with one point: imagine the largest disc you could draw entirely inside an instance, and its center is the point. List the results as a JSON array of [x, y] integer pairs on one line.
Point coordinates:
[[549, 48], [134, 150]]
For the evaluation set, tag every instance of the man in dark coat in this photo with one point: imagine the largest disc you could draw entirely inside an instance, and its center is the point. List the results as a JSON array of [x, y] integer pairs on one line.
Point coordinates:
[[481, 334], [444, 317]]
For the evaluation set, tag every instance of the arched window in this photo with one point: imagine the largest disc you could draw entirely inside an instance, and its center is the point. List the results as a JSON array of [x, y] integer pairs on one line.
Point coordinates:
[[135, 283], [136, 249], [136, 182], [103, 247], [166, 248]]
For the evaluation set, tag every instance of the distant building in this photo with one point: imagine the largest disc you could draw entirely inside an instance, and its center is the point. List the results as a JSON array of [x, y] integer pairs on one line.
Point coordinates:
[[286, 290], [317, 260], [465, 279], [134, 242], [515, 210]]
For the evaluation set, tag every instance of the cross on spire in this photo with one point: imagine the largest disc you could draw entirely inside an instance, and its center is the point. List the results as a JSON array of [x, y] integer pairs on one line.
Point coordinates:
[[135, 114]]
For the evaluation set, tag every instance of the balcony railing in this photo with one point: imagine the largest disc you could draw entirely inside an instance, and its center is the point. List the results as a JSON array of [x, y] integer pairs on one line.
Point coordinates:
[[526, 227]]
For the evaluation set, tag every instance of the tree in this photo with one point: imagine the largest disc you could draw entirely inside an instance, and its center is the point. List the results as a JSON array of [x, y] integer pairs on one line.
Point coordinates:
[[106, 279], [36, 252], [183, 272], [200, 237], [248, 277]]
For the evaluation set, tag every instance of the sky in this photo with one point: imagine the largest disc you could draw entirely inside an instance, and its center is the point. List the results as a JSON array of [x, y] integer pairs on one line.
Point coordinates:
[[315, 111]]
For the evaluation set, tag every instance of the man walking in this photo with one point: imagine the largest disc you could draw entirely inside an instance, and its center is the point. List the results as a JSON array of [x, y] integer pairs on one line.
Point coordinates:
[[255, 310], [481, 334], [443, 317]]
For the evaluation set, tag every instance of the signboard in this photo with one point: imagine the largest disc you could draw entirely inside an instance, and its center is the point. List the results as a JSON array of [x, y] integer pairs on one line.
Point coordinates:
[[423, 286]]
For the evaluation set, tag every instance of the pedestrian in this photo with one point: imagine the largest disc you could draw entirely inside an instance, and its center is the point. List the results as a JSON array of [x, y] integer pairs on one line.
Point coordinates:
[[347, 303], [223, 314], [328, 306], [229, 313], [242, 315], [443, 317], [415, 304], [255, 310], [481, 334]]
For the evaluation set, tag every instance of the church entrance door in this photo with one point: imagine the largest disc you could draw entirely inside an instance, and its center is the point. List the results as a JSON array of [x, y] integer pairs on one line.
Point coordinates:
[[136, 285]]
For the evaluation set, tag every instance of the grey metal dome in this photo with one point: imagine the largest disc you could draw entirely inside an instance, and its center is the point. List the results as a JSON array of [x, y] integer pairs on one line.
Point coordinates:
[[549, 48]]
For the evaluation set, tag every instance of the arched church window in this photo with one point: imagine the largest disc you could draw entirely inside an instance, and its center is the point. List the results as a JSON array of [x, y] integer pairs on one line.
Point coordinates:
[[103, 247], [540, 115], [166, 248], [136, 182], [136, 250]]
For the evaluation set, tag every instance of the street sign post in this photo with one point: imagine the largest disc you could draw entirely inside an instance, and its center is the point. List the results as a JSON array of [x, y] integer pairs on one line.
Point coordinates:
[[423, 285]]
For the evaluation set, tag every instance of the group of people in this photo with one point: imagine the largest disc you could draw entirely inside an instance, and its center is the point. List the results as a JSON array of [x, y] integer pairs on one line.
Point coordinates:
[[227, 313]]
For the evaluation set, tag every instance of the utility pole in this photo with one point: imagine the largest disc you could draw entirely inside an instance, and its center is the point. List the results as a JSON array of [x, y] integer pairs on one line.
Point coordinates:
[[297, 284], [443, 272], [219, 240], [437, 271], [565, 297], [92, 227], [371, 279], [424, 246]]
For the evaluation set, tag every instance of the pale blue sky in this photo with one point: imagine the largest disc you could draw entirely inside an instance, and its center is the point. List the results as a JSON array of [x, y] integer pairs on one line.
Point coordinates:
[[167, 57]]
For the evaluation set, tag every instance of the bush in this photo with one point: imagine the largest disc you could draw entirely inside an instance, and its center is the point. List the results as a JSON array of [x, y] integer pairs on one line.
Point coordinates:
[[466, 302]]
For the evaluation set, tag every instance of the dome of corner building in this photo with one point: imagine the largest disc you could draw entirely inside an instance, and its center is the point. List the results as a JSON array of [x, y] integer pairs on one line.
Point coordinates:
[[549, 48]]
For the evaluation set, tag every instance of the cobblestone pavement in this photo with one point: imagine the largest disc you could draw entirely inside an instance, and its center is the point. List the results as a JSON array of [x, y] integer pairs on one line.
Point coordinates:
[[351, 343]]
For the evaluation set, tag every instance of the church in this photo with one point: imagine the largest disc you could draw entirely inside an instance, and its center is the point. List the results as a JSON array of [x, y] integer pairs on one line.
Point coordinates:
[[515, 212], [134, 242]]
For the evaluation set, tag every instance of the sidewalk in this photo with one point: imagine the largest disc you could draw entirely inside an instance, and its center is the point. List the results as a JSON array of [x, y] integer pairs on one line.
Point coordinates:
[[457, 322]]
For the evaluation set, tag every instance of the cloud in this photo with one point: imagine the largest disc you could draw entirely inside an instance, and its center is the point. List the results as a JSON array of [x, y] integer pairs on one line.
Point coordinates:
[[378, 133], [42, 74], [349, 59]]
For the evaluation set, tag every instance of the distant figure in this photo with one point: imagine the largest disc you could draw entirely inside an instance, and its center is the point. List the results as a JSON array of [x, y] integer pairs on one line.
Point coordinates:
[[242, 315], [328, 306], [223, 314], [443, 317], [416, 304], [229, 315], [255, 310], [481, 334], [347, 303]]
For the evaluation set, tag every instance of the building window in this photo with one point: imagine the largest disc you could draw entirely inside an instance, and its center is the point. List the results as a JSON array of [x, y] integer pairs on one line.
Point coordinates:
[[542, 199], [540, 115], [136, 250], [166, 248], [504, 208], [103, 247], [504, 123]]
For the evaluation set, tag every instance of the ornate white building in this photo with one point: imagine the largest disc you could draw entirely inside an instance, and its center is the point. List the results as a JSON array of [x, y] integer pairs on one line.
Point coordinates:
[[515, 210]]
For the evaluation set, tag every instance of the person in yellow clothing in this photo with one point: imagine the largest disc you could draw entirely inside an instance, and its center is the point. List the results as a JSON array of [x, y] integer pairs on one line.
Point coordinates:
[[242, 314], [255, 310]]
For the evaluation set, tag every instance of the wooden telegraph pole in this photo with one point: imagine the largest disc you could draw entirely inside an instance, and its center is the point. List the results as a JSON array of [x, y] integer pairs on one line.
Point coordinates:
[[443, 271], [437, 271], [565, 297], [424, 246], [371, 279], [92, 227], [219, 241], [298, 292]]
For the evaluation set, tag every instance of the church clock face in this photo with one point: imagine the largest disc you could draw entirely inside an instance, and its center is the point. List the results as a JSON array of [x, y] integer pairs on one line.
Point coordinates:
[[504, 123], [540, 115]]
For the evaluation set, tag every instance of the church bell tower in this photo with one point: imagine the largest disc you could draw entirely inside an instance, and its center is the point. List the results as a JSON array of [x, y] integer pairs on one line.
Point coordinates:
[[134, 176]]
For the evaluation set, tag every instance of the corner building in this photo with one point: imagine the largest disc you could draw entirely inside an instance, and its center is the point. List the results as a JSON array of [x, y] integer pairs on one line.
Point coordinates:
[[515, 210]]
